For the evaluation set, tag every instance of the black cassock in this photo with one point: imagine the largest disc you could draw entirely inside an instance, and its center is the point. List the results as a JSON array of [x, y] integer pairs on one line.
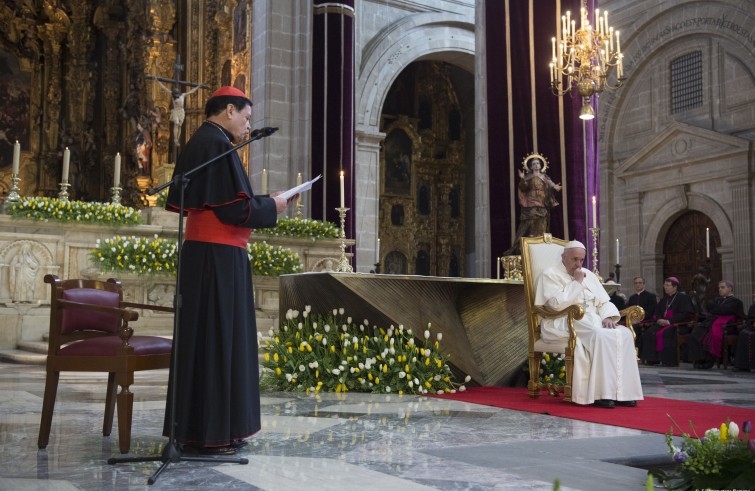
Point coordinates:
[[217, 374], [675, 308], [744, 356]]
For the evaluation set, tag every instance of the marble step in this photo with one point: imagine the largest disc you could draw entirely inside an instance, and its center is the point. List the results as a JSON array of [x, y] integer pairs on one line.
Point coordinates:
[[33, 346], [22, 357]]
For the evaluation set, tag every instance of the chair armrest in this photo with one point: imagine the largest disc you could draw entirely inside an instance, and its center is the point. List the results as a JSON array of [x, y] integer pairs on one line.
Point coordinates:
[[146, 306], [633, 314], [125, 314], [575, 311]]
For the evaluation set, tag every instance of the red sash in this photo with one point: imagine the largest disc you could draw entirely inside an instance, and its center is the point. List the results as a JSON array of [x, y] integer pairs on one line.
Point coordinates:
[[204, 226]]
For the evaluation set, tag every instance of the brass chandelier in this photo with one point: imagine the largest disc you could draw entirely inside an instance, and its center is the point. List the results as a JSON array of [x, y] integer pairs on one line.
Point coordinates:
[[583, 58]]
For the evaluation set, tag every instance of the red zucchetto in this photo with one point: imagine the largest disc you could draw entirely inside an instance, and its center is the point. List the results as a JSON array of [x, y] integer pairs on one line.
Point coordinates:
[[228, 90]]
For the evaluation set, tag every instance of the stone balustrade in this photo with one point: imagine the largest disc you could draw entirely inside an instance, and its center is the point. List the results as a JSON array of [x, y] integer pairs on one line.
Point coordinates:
[[30, 249]]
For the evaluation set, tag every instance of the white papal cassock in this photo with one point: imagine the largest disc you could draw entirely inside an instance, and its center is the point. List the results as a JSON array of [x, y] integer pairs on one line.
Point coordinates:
[[605, 361]]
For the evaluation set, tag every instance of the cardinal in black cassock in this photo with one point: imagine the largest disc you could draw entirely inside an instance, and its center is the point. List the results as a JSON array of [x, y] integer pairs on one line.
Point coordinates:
[[217, 373]]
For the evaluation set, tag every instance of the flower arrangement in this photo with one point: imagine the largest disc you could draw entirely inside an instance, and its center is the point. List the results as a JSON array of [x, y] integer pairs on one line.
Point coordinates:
[[303, 228], [140, 255], [721, 459], [333, 354], [162, 198], [44, 209], [153, 255], [269, 260], [553, 369]]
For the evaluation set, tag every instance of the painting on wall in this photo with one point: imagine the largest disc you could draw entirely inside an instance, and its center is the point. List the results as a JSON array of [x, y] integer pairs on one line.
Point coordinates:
[[398, 162], [15, 103], [239, 27]]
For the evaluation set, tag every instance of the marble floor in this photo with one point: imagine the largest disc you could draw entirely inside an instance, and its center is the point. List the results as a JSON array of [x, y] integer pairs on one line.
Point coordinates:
[[342, 441]]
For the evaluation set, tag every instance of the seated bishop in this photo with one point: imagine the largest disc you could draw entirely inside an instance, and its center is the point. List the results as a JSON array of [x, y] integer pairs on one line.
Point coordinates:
[[605, 364]]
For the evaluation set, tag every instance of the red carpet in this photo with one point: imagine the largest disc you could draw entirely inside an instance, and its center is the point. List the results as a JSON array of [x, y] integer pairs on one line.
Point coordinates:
[[649, 415]]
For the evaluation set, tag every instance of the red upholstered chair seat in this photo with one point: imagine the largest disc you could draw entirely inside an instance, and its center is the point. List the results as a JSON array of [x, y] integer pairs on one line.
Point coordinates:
[[90, 331], [109, 345]]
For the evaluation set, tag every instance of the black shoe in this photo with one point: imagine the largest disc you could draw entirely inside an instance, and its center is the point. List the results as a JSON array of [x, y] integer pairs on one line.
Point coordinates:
[[604, 403], [707, 364], [194, 449], [239, 443], [223, 450], [626, 403], [651, 363]]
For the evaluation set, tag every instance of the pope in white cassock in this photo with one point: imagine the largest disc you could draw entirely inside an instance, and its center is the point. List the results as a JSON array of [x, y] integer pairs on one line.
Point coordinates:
[[605, 361]]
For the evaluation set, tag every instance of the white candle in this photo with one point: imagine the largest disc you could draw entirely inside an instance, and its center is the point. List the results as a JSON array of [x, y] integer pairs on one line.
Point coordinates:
[[342, 193], [66, 164], [707, 242], [117, 170], [594, 213], [298, 181], [16, 158], [378, 251], [617, 252], [618, 43], [498, 267], [264, 181]]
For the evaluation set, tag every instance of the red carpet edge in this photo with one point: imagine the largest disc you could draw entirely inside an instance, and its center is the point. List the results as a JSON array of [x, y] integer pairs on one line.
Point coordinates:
[[651, 414]]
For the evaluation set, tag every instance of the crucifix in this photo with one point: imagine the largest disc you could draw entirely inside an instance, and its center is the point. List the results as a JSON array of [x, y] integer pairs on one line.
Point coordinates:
[[177, 112]]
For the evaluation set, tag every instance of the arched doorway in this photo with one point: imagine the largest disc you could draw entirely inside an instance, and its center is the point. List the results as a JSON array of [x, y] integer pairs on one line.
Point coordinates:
[[685, 248], [424, 162]]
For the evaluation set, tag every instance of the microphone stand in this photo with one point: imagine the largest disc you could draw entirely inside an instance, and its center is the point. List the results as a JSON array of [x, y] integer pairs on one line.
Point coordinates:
[[171, 453]]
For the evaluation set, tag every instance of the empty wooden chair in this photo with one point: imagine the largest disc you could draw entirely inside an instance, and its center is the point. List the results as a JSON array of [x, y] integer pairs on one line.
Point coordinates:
[[90, 332]]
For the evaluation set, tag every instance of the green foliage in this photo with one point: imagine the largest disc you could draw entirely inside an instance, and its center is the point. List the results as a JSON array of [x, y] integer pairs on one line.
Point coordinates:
[[45, 209], [303, 228], [139, 255], [721, 459], [162, 198], [333, 354], [269, 260], [153, 255], [553, 369]]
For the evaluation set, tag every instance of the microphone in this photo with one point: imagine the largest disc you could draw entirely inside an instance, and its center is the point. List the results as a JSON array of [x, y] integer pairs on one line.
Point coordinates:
[[262, 132]]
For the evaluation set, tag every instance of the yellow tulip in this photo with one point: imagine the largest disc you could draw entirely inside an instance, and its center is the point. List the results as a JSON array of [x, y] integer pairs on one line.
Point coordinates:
[[275, 357], [267, 356], [724, 432]]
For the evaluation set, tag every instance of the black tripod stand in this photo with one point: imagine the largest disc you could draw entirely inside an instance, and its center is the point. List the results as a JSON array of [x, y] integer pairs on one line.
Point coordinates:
[[171, 452]]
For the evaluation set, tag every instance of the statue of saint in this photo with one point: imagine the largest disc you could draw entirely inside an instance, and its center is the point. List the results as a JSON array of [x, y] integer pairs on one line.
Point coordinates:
[[23, 275], [536, 194]]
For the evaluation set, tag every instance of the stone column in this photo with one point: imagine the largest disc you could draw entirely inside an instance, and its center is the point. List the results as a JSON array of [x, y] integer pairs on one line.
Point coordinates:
[[367, 199], [741, 214]]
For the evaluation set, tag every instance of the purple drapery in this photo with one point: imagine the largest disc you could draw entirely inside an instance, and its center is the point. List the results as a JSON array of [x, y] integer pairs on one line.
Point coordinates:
[[333, 110], [581, 174]]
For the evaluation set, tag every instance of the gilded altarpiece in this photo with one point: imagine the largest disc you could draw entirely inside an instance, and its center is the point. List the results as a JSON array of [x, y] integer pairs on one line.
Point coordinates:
[[422, 185], [77, 74]]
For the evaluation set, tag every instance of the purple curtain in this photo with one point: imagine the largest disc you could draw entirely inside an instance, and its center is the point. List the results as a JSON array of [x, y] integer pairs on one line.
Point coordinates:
[[581, 175]]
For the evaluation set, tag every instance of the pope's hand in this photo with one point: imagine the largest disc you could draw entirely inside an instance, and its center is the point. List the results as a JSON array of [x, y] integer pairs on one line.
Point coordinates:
[[609, 323], [579, 275]]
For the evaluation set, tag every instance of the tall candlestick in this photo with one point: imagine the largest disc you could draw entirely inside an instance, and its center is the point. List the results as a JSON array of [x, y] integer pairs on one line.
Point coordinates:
[[66, 163], [378, 251], [617, 252], [707, 242], [117, 170], [16, 158], [594, 213], [264, 181], [498, 268], [342, 193]]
